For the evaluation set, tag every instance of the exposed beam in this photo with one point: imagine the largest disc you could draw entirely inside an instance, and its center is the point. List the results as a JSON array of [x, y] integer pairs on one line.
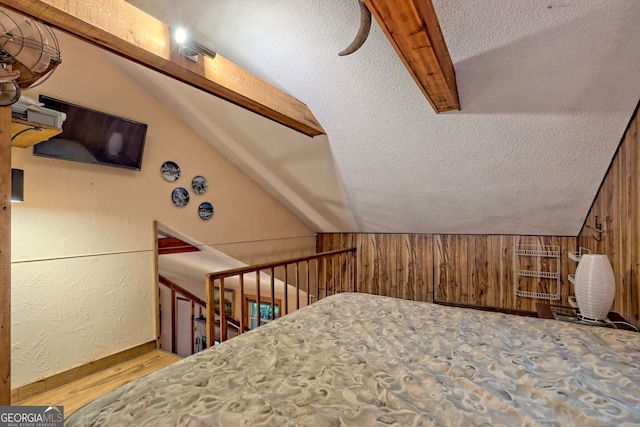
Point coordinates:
[[412, 28], [121, 28], [171, 245]]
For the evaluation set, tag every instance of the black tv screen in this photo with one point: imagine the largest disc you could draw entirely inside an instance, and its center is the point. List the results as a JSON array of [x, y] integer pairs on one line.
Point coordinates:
[[91, 136]]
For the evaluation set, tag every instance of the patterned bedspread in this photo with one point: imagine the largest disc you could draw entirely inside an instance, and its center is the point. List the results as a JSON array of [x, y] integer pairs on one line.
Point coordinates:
[[363, 360]]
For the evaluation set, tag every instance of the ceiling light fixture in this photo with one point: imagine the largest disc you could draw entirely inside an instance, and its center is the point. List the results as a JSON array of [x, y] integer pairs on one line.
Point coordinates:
[[188, 48], [180, 35]]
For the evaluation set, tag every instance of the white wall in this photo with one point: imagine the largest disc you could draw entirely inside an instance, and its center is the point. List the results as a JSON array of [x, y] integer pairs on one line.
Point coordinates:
[[83, 266]]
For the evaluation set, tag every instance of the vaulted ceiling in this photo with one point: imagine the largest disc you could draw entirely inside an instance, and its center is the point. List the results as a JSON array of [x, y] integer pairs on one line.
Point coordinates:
[[545, 88]]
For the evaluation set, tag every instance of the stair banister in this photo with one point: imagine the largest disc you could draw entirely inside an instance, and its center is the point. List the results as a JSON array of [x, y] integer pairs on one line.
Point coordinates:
[[211, 279]]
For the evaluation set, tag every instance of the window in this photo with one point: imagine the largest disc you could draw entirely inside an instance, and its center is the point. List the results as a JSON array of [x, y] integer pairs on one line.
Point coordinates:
[[251, 303]]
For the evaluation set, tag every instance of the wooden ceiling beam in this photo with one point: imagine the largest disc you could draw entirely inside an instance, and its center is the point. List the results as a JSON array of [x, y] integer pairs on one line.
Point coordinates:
[[119, 27], [412, 28], [172, 245]]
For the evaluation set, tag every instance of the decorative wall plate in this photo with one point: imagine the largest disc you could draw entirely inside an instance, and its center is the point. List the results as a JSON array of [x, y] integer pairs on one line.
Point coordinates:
[[205, 210], [170, 171], [180, 197], [199, 184]]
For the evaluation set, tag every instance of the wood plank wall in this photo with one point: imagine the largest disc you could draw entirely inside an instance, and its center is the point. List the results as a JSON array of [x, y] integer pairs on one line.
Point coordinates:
[[618, 200], [463, 269], [388, 264]]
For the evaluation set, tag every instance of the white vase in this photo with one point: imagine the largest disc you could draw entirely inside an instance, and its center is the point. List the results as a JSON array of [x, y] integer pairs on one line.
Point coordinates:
[[595, 286]]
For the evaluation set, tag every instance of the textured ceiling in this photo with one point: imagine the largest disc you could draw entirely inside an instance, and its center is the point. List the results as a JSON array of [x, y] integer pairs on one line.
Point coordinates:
[[546, 90]]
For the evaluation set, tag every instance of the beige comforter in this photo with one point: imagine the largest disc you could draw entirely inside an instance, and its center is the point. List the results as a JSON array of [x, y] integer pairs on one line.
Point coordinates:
[[362, 360]]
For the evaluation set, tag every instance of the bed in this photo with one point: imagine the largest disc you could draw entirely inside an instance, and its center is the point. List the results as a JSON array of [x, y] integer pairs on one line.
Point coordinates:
[[363, 360]]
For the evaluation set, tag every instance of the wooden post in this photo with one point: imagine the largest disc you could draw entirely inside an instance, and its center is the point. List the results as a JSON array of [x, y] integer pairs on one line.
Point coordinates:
[[5, 256]]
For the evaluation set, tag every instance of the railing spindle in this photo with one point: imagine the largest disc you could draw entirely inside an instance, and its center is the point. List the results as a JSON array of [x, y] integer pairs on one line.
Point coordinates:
[[321, 278], [243, 307], [193, 326], [173, 322], [338, 287], [273, 293], [348, 272], [354, 271], [324, 279], [259, 315], [309, 283], [341, 273], [286, 289], [334, 276], [223, 313], [298, 285], [347, 269]]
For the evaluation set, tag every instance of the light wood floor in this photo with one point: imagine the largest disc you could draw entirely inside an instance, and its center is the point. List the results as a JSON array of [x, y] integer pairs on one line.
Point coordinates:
[[76, 394]]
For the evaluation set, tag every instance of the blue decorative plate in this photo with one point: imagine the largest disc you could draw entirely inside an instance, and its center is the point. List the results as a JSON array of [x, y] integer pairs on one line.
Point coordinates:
[[180, 197], [170, 171], [205, 210], [199, 184]]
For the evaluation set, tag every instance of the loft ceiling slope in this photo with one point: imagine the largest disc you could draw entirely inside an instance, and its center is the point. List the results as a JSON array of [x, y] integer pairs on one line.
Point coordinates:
[[413, 29], [127, 31]]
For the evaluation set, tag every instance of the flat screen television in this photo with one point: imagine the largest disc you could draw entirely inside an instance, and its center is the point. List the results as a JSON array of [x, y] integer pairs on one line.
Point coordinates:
[[91, 136]]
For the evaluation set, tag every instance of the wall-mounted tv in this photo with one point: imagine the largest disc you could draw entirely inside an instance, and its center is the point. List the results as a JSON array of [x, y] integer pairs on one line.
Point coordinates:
[[91, 136]]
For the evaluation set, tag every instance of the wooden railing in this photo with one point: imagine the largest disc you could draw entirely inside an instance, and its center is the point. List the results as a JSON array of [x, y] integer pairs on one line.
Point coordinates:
[[179, 293], [307, 279]]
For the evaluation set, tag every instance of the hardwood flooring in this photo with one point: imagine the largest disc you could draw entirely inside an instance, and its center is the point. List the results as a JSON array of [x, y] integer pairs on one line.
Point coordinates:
[[76, 394]]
